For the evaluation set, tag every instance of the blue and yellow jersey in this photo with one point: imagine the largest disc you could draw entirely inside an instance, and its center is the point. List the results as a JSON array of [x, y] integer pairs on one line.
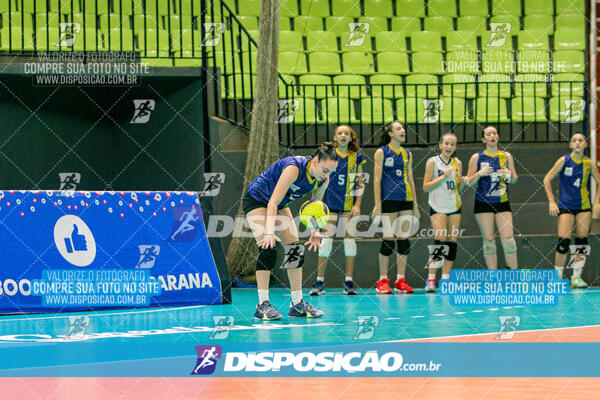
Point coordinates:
[[343, 181], [262, 187], [492, 188], [394, 177], [574, 184]]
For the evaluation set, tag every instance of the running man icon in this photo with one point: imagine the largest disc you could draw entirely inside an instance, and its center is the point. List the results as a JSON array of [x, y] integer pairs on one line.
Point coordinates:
[[207, 359]]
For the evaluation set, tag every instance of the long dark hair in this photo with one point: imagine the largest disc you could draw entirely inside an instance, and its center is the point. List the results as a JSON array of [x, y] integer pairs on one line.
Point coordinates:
[[385, 136], [353, 145], [326, 151]]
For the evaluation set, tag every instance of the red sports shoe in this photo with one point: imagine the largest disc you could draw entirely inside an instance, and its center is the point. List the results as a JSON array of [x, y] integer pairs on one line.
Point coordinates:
[[403, 287], [383, 286]]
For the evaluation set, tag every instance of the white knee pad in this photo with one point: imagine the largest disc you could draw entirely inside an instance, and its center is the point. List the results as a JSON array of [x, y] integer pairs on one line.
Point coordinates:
[[509, 245], [489, 247], [326, 246], [350, 247]]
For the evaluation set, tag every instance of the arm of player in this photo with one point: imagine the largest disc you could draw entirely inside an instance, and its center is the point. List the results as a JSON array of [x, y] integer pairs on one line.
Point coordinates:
[[459, 180], [361, 186], [411, 182], [428, 182], [377, 172], [511, 167], [596, 203], [554, 171], [473, 174], [288, 176]]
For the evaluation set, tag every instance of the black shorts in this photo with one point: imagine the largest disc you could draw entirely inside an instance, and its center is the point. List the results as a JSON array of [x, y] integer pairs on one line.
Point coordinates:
[[249, 203], [572, 212], [432, 211], [483, 207], [392, 206]]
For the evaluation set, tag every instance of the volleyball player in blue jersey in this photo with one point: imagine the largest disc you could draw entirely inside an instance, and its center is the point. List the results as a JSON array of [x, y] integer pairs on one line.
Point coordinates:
[[343, 197], [573, 208], [394, 191], [493, 170], [268, 196]]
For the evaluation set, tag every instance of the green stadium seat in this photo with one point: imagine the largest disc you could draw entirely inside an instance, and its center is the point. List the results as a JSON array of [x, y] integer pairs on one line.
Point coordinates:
[[353, 90], [248, 62], [326, 63], [390, 41], [141, 22], [10, 5], [539, 7], [473, 7], [533, 39], [28, 6], [178, 22], [490, 109], [119, 40], [357, 40], [63, 6], [533, 61], [307, 23], [346, 8], [157, 62], [291, 80], [307, 112], [157, 7], [130, 7], [287, 8], [16, 20], [241, 86], [249, 22], [494, 85], [191, 7], [356, 62], [84, 20], [181, 40], [406, 25], [426, 41], [339, 25], [392, 62], [321, 41], [318, 8], [90, 7], [385, 85], [462, 62], [285, 24], [290, 41], [570, 21], [422, 85], [506, 7], [498, 61], [513, 20], [248, 7], [155, 43], [568, 61], [227, 61], [49, 19], [46, 39], [318, 91], [254, 35], [567, 110], [454, 110], [471, 23], [531, 85], [16, 39], [89, 40], [528, 109], [439, 24], [461, 40], [378, 8], [376, 24], [428, 62], [112, 21], [410, 8], [338, 111], [410, 110], [459, 85], [376, 111], [539, 22], [499, 39], [566, 85], [188, 62], [570, 7], [441, 8], [569, 39]]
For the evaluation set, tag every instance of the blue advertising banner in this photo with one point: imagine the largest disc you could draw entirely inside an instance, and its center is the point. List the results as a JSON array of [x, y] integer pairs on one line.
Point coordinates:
[[72, 251]]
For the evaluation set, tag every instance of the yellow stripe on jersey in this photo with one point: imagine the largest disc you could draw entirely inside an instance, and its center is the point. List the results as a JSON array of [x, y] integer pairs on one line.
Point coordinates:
[[409, 196], [454, 162], [350, 175], [585, 177], [503, 164]]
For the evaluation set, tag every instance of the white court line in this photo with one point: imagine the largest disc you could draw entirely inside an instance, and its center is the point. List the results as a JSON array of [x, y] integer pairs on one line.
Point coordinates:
[[67, 314], [489, 333]]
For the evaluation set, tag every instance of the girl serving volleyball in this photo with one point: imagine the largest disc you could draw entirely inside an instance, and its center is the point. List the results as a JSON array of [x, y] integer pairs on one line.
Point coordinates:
[[573, 208], [395, 196], [268, 196], [442, 181], [343, 197], [493, 170]]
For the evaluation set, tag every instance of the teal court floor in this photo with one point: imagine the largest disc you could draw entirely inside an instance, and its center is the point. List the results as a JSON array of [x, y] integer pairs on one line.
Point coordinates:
[[120, 342]]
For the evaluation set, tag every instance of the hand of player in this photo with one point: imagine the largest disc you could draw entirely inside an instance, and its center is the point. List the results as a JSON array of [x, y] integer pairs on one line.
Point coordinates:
[[376, 211], [354, 211], [596, 211], [448, 171], [485, 171], [416, 212], [268, 241], [314, 241], [505, 173], [553, 209]]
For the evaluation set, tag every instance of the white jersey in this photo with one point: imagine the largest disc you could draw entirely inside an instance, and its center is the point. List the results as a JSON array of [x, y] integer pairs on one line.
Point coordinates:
[[444, 198]]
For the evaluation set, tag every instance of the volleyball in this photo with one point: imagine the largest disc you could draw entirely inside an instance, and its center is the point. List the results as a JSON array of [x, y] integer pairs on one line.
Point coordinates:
[[314, 214]]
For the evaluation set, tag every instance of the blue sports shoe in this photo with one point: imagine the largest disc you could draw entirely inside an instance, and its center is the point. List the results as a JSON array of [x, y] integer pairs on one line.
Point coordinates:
[[349, 288], [318, 288], [266, 312], [304, 310]]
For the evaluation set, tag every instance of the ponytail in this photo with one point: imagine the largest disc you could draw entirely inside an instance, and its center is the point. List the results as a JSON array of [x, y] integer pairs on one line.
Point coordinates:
[[385, 136], [326, 151]]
